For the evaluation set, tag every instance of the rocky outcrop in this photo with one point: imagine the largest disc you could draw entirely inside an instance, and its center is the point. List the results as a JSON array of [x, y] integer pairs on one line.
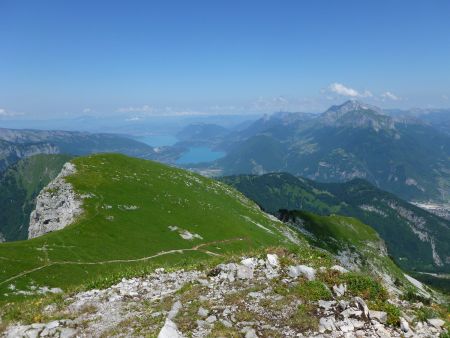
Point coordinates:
[[246, 298], [57, 205]]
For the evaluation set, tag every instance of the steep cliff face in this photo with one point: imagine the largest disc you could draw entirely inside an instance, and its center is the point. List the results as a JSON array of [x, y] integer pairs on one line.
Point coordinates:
[[57, 205]]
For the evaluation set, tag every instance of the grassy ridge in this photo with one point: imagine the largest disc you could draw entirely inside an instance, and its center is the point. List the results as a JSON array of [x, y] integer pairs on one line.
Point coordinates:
[[339, 234], [127, 215]]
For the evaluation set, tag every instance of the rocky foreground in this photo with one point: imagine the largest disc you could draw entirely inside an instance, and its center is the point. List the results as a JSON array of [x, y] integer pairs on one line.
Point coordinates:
[[268, 296]]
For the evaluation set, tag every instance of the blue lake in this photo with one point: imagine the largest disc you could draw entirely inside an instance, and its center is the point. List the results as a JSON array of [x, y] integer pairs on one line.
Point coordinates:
[[199, 154], [158, 140]]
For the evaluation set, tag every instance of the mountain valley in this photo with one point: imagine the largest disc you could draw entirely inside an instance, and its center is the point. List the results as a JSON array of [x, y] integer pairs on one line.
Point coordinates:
[[352, 140]]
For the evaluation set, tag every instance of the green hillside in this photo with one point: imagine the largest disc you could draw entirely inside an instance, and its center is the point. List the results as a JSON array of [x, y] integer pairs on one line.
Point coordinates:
[[135, 212], [347, 236], [410, 233], [257, 155], [19, 186]]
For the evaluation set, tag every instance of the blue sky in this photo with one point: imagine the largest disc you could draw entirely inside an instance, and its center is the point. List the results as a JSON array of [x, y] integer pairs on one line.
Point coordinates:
[[61, 58]]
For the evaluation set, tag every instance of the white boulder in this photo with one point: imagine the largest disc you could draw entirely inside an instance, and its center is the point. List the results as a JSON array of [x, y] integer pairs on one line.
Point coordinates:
[[302, 271]]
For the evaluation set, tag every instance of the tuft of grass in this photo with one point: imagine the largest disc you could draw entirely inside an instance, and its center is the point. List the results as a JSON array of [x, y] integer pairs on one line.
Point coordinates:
[[220, 330], [312, 291], [186, 320], [280, 289], [311, 256], [245, 316], [393, 312], [304, 319], [364, 286], [33, 310], [425, 313]]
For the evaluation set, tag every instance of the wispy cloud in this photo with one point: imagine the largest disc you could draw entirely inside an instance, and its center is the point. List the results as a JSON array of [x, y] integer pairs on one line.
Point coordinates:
[[341, 89], [390, 96], [8, 113], [136, 109], [134, 119], [271, 103], [87, 110], [141, 112], [445, 97]]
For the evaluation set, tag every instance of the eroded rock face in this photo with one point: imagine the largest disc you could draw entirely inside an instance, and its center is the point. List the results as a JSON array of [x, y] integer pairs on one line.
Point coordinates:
[[57, 205]]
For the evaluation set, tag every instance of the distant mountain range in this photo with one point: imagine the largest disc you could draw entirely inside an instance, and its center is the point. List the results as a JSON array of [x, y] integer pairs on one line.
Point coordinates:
[[417, 239], [20, 143], [352, 140], [438, 118], [11, 152]]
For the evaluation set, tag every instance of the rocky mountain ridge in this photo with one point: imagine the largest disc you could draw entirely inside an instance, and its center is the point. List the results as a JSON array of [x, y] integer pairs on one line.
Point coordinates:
[[357, 115]]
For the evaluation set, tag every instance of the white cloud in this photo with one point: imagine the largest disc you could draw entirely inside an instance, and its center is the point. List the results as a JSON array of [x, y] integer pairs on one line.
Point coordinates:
[[390, 96], [445, 97], [7, 113], [340, 89], [139, 109], [87, 110], [133, 119], [366, 94]]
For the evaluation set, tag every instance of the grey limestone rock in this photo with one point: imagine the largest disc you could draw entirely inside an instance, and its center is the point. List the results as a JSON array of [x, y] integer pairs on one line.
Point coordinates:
[[57, 205]]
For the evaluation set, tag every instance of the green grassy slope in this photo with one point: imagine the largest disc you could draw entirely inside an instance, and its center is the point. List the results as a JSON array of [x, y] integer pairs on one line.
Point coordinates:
[[339, 234], [334, 230], [399, 223], [126, 223], [256, 155], [19, 186]]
